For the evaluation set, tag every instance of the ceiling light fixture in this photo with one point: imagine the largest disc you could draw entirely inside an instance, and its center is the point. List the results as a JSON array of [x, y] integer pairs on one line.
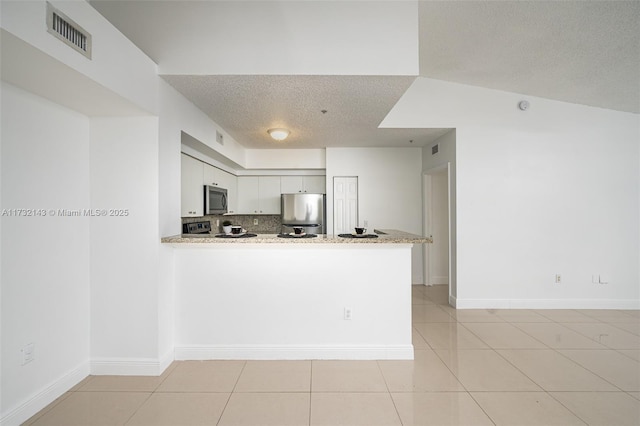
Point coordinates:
[[278, 134]]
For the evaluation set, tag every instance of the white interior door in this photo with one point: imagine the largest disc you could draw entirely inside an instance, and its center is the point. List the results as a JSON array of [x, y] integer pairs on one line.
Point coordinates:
[[345, 204]]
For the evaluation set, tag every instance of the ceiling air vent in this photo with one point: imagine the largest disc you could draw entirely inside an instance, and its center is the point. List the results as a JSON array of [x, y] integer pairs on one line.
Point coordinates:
[[434, 150], [68, 31], [219, 138]]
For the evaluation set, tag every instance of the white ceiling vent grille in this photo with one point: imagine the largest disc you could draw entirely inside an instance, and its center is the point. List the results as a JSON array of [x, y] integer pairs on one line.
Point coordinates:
[[68, 31]]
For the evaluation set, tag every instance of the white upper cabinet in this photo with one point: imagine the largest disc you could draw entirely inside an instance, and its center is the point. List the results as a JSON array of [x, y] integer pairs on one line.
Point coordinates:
[[245, 194], [269, 194], [291, 184], [314, 184], [192, 195], [211, 175], [230, 183], [195, 174], [259, 195], [216, 177], [311, 184]]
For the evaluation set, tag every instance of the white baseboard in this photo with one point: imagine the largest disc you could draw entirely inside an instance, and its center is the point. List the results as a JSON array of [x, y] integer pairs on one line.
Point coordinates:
[[547, 303], [439, 280], [453, 301], [45, 397], [166, 361], [130, 366], [402, 352]]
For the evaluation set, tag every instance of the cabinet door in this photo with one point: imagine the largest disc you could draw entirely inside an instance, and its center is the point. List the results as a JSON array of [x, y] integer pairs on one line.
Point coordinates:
[[230, 183], [291, 184], [248, 195], [269, 189], [192, 194], [212, 175], [315, 184]]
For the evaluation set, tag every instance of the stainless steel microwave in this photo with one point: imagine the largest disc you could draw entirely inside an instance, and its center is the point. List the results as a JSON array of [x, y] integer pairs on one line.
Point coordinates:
[[215, 200]]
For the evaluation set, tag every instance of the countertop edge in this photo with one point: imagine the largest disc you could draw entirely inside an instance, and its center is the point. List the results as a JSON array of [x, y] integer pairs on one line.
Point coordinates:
[[390, 236]]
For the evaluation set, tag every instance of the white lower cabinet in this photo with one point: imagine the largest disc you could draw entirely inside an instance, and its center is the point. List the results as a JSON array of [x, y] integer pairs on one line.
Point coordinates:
[[192, 192], [259, 195]]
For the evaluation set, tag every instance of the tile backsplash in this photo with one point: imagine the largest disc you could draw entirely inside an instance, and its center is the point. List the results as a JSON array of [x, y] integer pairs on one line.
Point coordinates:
[[267, 224]]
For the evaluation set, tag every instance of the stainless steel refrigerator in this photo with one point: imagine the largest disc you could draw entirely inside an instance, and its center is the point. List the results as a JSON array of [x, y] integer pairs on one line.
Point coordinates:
[[305, 210]]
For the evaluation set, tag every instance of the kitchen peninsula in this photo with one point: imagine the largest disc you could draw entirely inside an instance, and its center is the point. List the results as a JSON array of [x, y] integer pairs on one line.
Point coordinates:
[[296, 298]]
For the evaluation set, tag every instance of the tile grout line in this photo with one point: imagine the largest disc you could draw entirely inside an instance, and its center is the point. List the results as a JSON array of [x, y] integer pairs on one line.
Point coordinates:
[[137, 409], [310, 389], [538, 384], [33, 419], [589, 337], [231, 393], [606, 348], [522, 372], [458, 379], [389, 390], [613, 324]]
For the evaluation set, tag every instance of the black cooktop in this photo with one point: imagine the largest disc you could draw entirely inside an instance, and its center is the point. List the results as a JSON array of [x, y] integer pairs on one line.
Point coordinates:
[[196, 228]]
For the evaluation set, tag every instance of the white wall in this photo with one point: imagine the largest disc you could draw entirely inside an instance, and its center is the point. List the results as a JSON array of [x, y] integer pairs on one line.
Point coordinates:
[[553, 190], [124, 246], [389, 190], [281, 309], [285, 159], [122, 72], [283, 37], [45, 259], [116, 63]]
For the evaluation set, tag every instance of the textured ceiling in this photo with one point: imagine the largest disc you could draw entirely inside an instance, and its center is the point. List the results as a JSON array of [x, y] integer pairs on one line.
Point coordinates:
[[584, 52], [247, 106]]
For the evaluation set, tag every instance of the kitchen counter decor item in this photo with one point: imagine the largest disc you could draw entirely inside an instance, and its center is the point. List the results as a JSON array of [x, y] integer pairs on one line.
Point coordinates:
[[357, 236], [226, 226], [297, 236], [245, 235]]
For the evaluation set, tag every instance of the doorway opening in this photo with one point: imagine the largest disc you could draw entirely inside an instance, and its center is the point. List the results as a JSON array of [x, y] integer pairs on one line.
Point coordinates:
[[437, 225]]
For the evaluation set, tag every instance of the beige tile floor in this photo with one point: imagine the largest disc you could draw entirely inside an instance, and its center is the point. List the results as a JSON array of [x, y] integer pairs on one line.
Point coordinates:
[[471, 367]]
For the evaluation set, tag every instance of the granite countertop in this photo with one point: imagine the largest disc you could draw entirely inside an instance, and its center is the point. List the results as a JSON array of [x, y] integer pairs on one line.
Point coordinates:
[[385, 236]]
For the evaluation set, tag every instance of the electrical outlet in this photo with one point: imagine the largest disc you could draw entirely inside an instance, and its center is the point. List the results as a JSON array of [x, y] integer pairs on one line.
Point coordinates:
[[348, 314], [28, 353], [366, 223], [217, 222], [558, 279], [255, 221]]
